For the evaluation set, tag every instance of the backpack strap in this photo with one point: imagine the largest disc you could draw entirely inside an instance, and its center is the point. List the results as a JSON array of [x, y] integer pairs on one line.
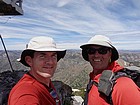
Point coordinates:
[[88, 88], [107, 82]]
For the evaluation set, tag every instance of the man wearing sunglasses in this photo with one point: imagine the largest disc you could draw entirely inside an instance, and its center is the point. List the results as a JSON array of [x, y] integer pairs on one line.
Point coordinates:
[[102, 55]]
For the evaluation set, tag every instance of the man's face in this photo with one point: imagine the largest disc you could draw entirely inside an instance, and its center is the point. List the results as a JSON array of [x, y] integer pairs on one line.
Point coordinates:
[[99, 57], [43, 64]]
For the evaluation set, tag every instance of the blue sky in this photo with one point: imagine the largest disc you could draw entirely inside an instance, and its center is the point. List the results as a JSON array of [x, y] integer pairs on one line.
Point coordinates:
[[73, 22]]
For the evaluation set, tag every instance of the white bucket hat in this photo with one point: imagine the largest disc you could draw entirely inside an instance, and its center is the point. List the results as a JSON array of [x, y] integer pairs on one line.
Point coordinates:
[[41, 43], [100, 40]]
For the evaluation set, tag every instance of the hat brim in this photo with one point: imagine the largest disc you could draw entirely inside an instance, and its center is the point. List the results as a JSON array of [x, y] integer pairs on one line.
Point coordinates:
[[100, 43], [60, 54], [115, 54]]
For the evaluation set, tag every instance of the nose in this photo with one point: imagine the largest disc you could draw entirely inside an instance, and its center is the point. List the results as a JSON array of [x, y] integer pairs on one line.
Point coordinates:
[[96, 53], [49, 60]]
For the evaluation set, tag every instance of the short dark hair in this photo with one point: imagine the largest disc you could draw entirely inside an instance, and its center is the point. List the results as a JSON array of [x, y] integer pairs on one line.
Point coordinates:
[[30, 53]]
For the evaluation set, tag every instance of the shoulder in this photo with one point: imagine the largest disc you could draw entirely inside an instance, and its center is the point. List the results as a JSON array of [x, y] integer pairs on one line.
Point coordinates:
[[125, 82], [126, 92], [27, 85], [125, 85]]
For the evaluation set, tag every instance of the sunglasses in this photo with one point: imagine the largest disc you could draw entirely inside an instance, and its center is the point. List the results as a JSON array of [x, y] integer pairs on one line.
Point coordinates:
[[102, 50]]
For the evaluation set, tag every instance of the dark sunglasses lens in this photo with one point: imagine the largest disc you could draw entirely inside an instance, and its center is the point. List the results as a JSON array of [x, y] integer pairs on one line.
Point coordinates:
[[91, 51], [102, 50]]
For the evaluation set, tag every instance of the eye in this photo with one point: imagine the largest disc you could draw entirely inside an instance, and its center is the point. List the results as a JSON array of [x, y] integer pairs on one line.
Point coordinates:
[[41, 56], [103, 50], [91, 51], [54, 56]]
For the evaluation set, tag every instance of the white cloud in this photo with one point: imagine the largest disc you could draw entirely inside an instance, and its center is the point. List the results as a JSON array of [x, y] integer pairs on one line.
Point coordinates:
[[73, 22]]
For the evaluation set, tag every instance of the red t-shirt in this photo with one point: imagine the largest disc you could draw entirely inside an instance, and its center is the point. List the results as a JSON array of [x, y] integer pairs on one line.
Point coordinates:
[[125, 91], [28, 91]]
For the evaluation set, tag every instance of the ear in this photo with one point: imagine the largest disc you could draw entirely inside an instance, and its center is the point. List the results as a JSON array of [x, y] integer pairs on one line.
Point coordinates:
[[28, 60], [111, 53], [110, 56]]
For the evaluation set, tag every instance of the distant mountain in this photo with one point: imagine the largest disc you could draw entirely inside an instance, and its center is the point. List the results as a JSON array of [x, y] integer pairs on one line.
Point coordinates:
[[72, 70]]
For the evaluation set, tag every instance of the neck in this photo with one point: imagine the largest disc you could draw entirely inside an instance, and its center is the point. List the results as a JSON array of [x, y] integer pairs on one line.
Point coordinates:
[[96, 71], [40, 79]]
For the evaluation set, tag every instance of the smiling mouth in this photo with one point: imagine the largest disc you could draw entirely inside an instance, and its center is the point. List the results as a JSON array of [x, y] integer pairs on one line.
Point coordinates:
[[48, 67], [97, 60]]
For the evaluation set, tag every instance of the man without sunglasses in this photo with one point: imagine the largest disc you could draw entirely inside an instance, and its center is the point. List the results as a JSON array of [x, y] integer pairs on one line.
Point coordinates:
[[102, 55], [35, 87]]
